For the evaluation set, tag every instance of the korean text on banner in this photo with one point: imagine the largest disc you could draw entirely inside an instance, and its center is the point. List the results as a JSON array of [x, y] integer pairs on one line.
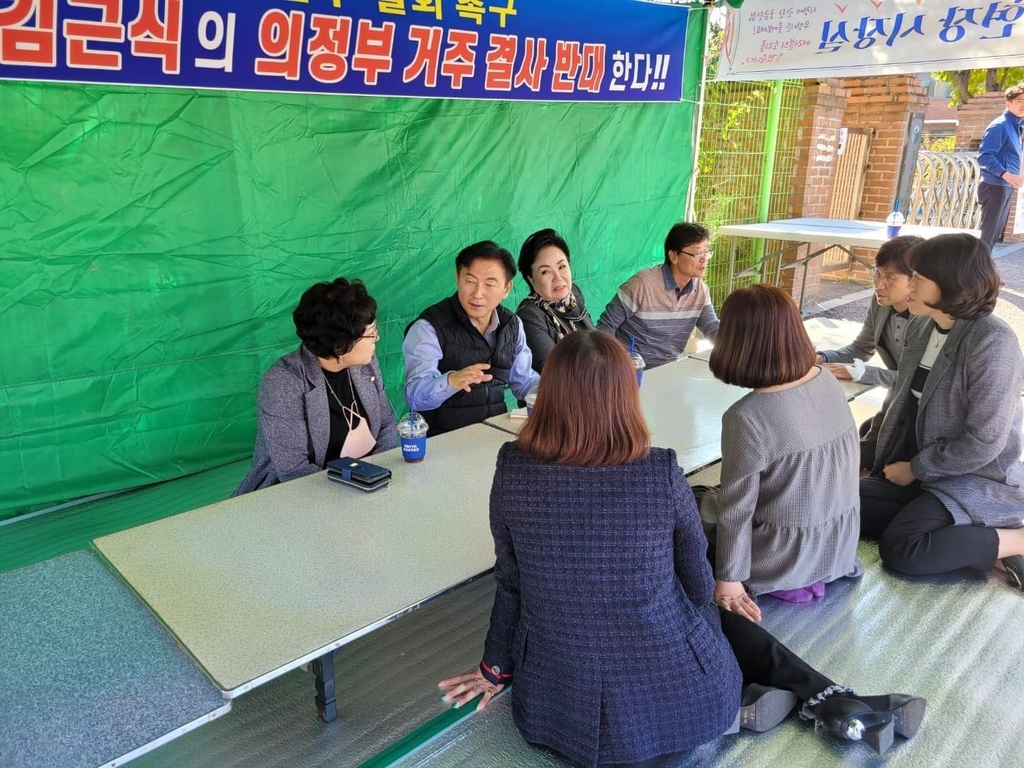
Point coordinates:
[[607, 50], [767, 40]]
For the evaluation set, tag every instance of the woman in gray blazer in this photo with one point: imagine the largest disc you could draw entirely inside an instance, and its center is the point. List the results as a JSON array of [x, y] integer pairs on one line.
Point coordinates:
[[326, 399], [888, 318], [946, 489]]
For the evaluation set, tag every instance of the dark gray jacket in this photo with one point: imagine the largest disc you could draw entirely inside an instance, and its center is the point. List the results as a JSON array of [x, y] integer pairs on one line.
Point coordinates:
[[294, 422], [541, 334], [968, 422]]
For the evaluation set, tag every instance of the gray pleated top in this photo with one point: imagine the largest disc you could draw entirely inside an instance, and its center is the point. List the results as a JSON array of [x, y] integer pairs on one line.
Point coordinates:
[[789, 504]]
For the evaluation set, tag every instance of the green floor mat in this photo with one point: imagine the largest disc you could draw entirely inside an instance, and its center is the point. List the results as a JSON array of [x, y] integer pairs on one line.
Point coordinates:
[[39, 538]]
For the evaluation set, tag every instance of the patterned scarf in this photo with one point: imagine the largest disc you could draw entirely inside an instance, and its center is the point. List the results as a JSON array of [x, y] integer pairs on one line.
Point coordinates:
[[565, 314]]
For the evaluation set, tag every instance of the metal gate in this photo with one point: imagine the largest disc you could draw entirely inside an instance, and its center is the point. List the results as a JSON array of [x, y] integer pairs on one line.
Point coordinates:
[[848, 188], [946, 190]]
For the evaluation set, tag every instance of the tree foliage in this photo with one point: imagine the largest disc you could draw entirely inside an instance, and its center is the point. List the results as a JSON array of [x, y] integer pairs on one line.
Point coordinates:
[[971, 82]]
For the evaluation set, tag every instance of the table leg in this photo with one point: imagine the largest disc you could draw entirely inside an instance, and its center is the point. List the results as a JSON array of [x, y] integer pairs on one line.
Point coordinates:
[[323, 671], [732, 264], [803, 282]]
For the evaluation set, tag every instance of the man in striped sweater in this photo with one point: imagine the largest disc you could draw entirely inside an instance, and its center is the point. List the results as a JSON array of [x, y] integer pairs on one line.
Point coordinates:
[[660, 306]]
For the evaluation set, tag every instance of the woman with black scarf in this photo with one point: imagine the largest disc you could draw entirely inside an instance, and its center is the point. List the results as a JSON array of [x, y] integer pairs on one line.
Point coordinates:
[[554, 307]]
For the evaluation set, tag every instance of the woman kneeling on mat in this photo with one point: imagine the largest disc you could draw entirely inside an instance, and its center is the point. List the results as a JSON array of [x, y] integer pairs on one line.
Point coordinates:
[[786, 519], [945, 490], [602, 610]]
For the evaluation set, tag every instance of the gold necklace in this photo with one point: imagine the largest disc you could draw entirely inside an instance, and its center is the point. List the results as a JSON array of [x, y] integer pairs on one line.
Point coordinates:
[[349, 411]]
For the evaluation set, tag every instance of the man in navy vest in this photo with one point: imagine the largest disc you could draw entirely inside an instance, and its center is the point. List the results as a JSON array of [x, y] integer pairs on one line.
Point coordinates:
[[1000, 160], [462, 352]]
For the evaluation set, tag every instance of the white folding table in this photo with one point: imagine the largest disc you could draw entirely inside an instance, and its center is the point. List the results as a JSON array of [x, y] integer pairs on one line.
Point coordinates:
[[827, 333], [258, 585], [840, 233], [683, 404]]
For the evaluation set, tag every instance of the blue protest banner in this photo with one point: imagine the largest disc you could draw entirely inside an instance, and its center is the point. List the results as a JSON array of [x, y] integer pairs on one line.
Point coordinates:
[[564, 50]]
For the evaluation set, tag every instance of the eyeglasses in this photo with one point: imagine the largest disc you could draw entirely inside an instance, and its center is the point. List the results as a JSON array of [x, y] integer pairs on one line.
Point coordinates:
[[373, 334], [889, 278], [706, 255]]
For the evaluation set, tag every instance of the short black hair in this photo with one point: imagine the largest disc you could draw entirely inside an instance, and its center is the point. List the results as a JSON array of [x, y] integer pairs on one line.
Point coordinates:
[[332, 317], [537, 242], [682, 235], [961, 265], [893, 253], [487, 250]]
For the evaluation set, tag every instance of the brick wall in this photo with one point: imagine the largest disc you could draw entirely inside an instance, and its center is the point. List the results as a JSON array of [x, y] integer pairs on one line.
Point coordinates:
[[974, 118], [813, 169], [881, 105]]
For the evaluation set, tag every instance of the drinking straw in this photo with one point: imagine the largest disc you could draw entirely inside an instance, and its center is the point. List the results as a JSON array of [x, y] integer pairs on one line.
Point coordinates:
[[632, 345]]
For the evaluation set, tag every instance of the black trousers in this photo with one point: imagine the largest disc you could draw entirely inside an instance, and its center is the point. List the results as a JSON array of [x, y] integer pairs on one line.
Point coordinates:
[[995, 209], [915, 532], [765, 660]]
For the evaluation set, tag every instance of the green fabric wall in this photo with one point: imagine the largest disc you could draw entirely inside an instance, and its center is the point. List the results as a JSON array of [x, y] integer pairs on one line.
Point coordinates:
[[153, 243]]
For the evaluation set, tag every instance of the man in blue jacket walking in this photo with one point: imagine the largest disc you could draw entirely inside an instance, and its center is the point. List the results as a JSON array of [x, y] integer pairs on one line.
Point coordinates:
[[1000, 161]]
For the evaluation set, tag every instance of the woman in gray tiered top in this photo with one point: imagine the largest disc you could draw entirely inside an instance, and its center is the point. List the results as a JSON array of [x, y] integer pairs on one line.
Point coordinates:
[[787, 515]]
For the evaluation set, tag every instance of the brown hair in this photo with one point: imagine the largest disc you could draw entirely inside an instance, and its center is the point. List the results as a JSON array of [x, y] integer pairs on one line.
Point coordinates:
[[1014, 92], [893, 253], [761, 341], [961, 265], [587, 412]]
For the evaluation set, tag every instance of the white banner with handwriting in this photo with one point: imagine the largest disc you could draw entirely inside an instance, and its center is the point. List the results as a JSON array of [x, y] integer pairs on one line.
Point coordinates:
[[781, 39]]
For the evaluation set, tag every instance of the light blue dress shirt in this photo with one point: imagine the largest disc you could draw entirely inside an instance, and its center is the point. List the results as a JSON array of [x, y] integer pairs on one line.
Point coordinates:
[[426, 387]]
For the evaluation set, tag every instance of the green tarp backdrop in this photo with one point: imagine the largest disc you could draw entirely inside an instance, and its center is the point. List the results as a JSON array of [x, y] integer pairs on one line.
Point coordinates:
[[153, 243]]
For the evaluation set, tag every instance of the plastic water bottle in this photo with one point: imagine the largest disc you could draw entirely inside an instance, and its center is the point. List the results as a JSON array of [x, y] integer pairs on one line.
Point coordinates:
[[894, 221]]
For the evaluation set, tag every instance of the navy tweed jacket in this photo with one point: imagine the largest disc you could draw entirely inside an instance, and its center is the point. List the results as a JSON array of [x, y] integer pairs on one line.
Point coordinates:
[[602, 614]]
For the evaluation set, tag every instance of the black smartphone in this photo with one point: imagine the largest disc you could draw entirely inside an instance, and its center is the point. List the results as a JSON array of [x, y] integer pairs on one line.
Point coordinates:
[[383, 482], [359, 471]]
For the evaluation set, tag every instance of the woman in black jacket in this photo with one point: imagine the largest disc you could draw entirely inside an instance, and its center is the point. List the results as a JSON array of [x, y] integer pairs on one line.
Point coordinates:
[[603, 607]]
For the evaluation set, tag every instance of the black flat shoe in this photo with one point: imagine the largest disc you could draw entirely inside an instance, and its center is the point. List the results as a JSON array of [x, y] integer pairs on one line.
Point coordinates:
[[1014, 566], [762, 708], [872, 719]]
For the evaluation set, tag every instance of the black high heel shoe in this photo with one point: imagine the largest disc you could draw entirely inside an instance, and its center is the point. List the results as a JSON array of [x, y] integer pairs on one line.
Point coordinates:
[[872, 719], [1014, 567], [762, 708]]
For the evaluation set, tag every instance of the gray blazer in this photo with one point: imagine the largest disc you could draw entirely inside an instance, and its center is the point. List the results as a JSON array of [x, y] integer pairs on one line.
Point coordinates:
[[866, 344], [968, 422], [294, 422]]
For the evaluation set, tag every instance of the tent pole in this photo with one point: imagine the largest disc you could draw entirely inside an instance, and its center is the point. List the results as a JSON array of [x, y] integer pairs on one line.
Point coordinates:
[[698, 117], [771, 140]]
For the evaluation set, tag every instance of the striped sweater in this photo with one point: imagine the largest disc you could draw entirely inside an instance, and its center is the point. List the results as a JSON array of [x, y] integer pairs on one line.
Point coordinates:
[[660, 315]]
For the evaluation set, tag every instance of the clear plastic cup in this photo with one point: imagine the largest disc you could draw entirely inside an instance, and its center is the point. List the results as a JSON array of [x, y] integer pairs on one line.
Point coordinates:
[[893, 223], [412, 429], [638, 365], [531, 400]]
